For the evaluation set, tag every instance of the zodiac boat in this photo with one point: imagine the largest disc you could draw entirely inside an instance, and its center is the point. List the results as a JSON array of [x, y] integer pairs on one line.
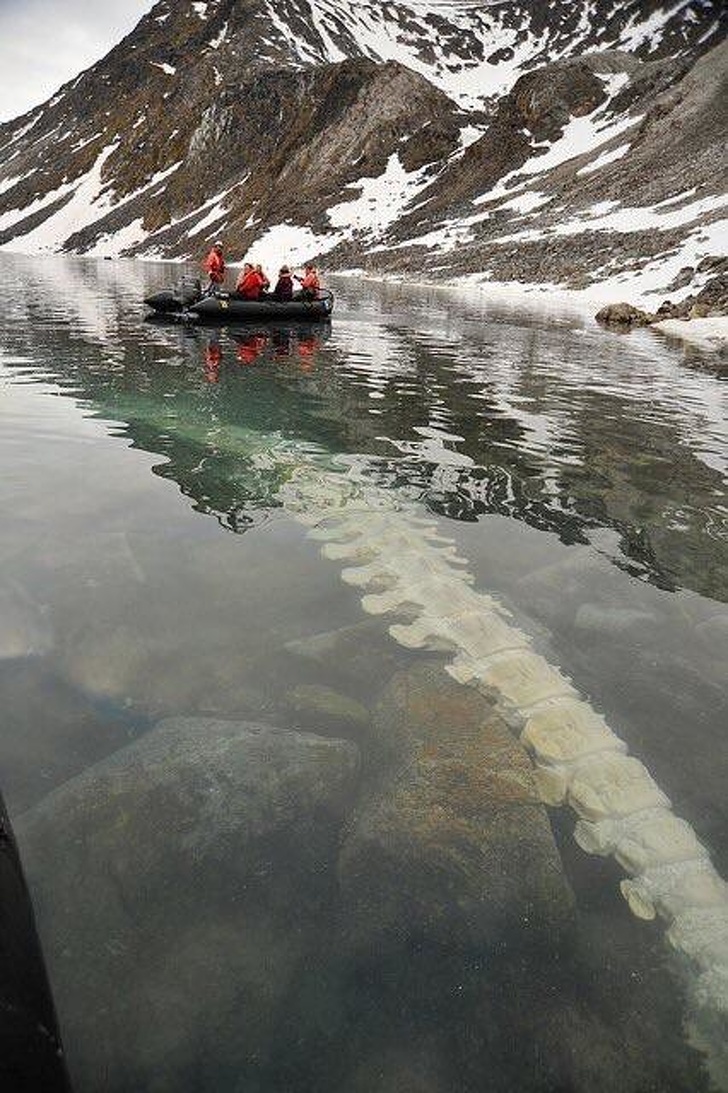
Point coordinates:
[[187, 301]]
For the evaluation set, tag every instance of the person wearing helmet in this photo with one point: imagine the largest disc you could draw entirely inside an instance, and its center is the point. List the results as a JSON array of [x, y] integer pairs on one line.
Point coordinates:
[[214, 265]]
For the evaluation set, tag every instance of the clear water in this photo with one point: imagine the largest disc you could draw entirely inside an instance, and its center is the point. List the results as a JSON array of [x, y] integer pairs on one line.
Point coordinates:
[[151, 569]]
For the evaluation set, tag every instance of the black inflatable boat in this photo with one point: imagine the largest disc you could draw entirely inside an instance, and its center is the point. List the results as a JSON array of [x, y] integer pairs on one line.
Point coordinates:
[[189, 302], [31, 1056]]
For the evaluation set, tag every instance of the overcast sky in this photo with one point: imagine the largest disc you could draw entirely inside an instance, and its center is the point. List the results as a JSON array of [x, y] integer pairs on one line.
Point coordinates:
[[43, 43]]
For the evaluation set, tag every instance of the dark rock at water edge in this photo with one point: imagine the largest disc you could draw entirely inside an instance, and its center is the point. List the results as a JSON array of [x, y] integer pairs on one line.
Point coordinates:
[[179, 885], [710, 301], [623, 315]]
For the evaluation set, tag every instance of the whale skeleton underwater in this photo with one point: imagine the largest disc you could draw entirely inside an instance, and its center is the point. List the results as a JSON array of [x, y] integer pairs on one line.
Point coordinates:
[[404, 566]]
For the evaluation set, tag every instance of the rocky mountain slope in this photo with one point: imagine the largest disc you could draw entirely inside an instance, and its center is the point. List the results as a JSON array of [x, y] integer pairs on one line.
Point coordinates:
[[567, 142]]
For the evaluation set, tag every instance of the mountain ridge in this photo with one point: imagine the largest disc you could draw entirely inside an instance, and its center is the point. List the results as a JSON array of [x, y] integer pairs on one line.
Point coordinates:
[[377, 135]]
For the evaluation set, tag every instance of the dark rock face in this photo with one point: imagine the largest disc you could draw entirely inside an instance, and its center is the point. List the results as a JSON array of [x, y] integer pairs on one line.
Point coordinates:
[[452, 840], [179, 885], [678, 130], [533, 112]]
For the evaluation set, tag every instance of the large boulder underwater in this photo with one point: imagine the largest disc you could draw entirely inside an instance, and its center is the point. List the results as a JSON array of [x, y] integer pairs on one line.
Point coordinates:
[[226, 904]]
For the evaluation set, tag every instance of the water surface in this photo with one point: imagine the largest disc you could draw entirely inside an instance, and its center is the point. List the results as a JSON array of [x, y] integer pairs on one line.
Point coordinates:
[[152, 568]]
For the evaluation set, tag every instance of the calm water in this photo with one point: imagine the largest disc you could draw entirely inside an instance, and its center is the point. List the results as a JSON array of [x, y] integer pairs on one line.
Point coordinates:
[[235, 917]]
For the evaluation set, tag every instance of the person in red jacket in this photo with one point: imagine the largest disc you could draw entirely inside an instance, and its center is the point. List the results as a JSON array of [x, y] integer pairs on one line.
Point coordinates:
[[250, 283], [310, 282], [214, 265], [266, 281]]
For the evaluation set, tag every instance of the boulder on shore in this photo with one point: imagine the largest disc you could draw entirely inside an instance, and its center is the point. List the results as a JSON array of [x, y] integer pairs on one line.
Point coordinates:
[[710, 302], [179, 886], [451, 843], [623, 315]]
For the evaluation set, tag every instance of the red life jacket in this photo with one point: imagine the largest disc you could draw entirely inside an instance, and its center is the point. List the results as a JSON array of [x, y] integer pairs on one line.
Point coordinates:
[[214, 267], [249, 285], [311, 281]]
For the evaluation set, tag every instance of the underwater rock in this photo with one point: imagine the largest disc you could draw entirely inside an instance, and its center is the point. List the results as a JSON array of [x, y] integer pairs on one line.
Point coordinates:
[[25, 630], [327, 711], [178, 886], [576, 574], [714, 631], [50, 732], [404, 1068], [452, 841], [162, 675], [362, 655]]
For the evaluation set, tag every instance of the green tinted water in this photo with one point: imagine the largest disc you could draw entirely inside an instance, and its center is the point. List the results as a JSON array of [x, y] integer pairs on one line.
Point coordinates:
[[581, 474]]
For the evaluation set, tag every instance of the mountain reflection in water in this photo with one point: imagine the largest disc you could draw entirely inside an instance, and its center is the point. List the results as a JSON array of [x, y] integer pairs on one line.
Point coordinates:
[[478, 414], [581, 474]]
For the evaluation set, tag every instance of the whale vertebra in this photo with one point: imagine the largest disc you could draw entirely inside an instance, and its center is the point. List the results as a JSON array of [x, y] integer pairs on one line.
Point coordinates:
[[389, 546]]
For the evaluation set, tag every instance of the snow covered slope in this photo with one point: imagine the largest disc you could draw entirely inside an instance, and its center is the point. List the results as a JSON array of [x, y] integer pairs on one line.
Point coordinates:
[[503, 137]]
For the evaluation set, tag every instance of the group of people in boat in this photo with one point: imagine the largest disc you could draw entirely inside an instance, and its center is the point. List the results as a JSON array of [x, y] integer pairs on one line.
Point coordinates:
[[253, 284]]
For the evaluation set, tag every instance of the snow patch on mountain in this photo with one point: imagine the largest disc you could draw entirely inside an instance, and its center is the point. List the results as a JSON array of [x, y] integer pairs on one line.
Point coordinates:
[[381, 200], [90, 200], [287, 244]]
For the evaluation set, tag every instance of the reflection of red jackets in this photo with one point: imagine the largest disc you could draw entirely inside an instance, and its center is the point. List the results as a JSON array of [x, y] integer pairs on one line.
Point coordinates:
[[250, 284], [250, 348], [213, 359], [214, 267]]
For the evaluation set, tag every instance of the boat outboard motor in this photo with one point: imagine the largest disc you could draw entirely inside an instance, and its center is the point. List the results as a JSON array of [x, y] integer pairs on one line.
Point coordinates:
[[184, 294], [31, 1055], [188, 291]]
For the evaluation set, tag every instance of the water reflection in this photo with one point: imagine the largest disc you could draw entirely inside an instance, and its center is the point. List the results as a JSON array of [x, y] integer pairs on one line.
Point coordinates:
[[297, 343], [570, 467], [559, 427]]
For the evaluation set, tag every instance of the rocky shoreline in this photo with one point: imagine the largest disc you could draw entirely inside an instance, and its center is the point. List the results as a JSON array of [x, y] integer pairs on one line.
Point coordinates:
[[710, 302]]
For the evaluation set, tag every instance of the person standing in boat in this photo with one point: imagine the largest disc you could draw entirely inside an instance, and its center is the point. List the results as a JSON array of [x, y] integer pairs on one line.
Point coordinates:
[[214, 265], [250, 283], [283, 291], [310, 282]]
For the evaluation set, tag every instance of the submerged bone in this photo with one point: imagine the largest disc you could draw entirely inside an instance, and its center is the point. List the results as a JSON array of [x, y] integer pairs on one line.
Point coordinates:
[[671, 890], [613, 785], [552, 783], [409, 569], [441, 591], [578, 758], [701, 933], [477, 632], [568, 732], [349, 552], [642, 840], [524, 679]]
